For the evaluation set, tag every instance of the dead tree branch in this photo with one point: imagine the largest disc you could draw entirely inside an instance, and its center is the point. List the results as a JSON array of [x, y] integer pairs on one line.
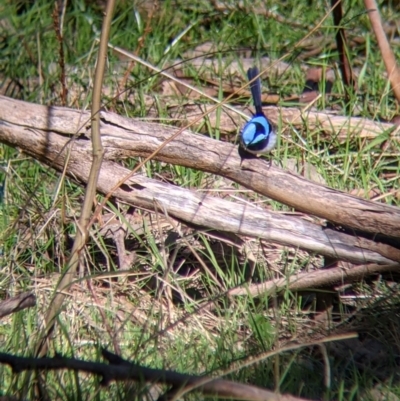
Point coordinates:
[[17, 303], [45, 133], [318, 278], [121, 370]]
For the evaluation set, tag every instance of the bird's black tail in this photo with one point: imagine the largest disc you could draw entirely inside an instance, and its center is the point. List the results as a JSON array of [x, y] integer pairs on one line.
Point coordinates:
[[255, 87]]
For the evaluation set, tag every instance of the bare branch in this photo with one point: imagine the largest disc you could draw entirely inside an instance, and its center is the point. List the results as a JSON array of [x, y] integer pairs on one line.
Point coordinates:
[[121, 370], [318, 278], [17, 303]]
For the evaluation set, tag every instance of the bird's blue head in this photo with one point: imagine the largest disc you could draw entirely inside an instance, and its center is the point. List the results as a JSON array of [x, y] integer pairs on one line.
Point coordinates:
[[258, 135]]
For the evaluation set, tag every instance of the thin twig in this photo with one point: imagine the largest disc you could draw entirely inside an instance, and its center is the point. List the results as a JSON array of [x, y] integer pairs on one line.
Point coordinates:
[[82, 232], [146, 32], [261, 357], [57, 28], [341, 42], [392, 69]]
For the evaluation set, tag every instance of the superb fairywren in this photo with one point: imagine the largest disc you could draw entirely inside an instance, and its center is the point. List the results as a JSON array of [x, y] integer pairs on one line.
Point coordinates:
[[258, 135]]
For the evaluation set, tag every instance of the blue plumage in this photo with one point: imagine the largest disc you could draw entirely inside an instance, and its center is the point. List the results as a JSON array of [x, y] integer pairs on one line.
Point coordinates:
[[258, 135]]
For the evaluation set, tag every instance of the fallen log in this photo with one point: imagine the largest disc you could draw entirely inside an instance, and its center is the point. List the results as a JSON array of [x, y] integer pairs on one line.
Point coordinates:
[[59, 137]]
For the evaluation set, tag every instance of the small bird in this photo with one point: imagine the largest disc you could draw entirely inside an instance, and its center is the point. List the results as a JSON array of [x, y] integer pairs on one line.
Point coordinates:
[[258, 135]]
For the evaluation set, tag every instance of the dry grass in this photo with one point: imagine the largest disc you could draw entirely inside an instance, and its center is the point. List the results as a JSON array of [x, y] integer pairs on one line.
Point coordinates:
[[158, 289]]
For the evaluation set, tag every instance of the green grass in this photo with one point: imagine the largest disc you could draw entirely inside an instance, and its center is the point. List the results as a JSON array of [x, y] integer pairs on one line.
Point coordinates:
[[173, 280]]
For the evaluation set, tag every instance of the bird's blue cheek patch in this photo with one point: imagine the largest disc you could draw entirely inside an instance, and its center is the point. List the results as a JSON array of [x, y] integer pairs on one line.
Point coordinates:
[[255, 131], [248, 133]]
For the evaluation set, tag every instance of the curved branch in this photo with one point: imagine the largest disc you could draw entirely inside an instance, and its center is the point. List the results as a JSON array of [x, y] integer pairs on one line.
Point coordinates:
[[119, 369], [318, 278]]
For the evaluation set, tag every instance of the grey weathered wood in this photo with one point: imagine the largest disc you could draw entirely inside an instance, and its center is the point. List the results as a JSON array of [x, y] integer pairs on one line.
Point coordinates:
[[318, 278], [45, 133]]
